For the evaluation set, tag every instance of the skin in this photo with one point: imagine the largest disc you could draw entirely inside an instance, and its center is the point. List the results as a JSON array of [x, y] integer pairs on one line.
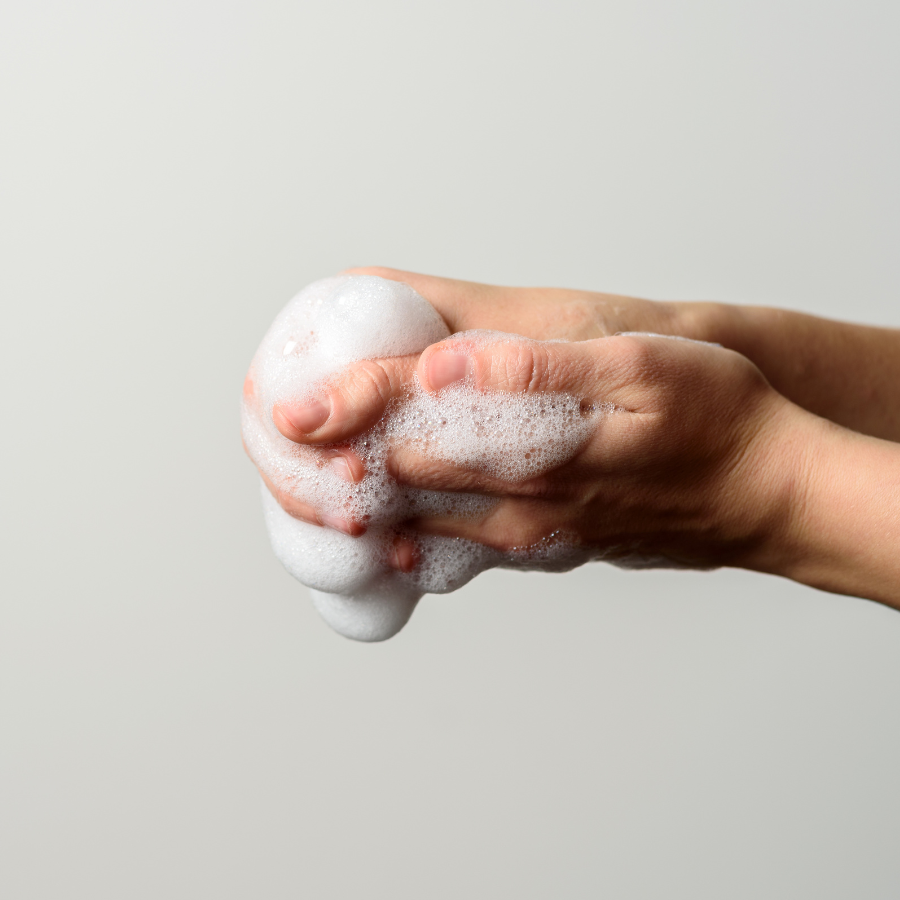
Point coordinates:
[[773, 452]]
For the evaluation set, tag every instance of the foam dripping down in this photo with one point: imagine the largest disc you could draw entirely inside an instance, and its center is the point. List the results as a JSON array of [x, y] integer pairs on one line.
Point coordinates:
[[328, 326]]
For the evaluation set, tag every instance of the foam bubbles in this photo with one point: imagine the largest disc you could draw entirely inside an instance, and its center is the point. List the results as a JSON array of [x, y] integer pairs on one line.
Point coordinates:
[[326, 327]]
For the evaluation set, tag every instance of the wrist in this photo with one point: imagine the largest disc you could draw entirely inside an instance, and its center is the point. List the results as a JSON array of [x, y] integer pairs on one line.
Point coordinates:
[[768, 488], [837, 527]]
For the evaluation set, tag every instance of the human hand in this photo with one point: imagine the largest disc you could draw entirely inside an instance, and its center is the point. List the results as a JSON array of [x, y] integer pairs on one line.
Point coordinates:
[[689, 466], [357, 402]]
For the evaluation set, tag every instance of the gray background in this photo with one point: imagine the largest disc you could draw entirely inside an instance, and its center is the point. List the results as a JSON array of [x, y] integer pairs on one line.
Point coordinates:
[[175, 721]]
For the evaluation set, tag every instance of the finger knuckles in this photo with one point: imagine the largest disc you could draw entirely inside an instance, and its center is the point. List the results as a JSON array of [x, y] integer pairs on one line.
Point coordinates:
[[415, 470], [637, 358], [519, 367], [370, 383]]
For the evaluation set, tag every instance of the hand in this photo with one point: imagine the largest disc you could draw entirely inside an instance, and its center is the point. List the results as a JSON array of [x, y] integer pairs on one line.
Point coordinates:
[[541, 313], [692, 467], [359, 400], [689, 468]]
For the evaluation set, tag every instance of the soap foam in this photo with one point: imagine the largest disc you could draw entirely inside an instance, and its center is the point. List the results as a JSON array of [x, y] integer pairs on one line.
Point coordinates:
[[339, 321]]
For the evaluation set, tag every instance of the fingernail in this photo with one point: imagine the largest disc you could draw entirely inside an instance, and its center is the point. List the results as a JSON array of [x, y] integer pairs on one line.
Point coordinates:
[[342, 468], [403, 556], [309, 417], [335, 522], [445, 368]]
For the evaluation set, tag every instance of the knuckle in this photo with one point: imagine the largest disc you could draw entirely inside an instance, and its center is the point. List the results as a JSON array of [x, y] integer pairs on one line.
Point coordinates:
[[639, 358], [403, 469], [418, 471], [520, 367], [369, 383], [375, 378]]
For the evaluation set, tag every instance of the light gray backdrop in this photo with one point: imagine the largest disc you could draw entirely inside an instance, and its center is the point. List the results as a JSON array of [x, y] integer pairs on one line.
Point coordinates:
[[175, 721]]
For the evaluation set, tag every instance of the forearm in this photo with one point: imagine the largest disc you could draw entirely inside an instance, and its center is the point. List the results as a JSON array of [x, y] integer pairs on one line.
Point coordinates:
[[849, 374]]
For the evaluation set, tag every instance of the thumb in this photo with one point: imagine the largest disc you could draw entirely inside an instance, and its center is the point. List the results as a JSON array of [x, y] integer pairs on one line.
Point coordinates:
[[616, 369], [512, 364], [348, 405]]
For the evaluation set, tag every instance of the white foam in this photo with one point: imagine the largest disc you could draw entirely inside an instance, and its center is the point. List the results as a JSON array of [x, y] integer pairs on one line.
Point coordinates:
[[338, 321]]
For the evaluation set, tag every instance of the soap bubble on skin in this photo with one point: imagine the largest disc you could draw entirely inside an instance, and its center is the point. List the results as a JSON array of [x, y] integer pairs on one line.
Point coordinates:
[[330, 325]]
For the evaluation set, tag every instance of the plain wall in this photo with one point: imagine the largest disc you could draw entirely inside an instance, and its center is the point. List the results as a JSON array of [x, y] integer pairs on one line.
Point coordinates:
[[175, 720]]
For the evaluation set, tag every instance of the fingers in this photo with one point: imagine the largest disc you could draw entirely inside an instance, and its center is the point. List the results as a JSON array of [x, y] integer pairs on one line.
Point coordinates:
[[347, 406], [514, 366], [306, 513], [403, 556], [514, 524], [351, 404], [414, 469]]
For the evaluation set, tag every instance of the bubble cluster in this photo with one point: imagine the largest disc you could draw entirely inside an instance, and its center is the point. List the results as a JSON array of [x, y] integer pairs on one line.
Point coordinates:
[[509, 436]]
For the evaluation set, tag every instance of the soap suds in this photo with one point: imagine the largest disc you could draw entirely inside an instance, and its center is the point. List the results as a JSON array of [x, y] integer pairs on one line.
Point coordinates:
[[326, 327]]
